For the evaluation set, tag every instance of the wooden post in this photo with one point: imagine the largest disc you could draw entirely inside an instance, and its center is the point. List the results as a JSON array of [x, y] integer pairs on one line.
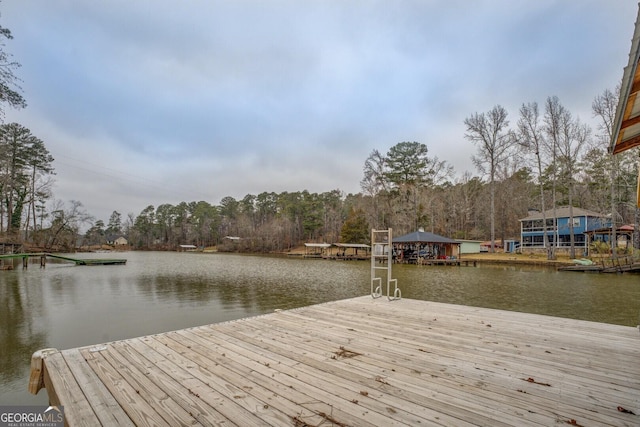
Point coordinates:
[[36, 378], [25, 262], [43, 261]]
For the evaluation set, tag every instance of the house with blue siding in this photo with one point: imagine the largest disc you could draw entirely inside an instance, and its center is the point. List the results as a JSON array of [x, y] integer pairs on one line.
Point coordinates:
[[558, 227]]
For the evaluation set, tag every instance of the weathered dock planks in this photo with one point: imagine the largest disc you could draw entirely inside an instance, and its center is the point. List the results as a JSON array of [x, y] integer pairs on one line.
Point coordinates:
[[360, 362]]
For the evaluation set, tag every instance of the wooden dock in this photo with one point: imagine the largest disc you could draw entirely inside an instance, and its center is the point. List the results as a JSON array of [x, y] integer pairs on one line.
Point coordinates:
[[44, 255], [90, 261], [624, 264], [457, 261], [356, 362]]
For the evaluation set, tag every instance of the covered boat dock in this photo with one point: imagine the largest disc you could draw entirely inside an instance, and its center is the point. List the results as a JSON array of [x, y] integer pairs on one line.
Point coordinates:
[[338, 251], [350, 251], [421, 247]]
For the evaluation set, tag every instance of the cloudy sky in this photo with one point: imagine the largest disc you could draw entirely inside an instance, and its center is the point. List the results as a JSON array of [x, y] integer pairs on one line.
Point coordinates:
[[153, 101]]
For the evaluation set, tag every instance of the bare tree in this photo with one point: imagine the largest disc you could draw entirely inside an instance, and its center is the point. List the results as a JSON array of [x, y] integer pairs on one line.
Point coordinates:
[[467, 193], [9, 87], [604, 107], [565, 138], [490, 132], [374, 184], [575, 135], [531, 136], [553, 111], [66, 223], [513, 190]]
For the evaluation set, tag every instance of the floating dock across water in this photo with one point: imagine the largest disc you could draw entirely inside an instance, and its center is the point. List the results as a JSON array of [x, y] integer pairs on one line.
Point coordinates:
[[356, 362], [89, 261], [44, 255]]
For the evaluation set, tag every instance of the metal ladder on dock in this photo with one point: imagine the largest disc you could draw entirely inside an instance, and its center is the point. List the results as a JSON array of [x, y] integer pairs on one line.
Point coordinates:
[[382, 249]]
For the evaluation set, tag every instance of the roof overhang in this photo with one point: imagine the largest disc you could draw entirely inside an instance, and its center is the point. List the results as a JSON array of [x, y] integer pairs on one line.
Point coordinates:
[[626, 126], [424, 237]]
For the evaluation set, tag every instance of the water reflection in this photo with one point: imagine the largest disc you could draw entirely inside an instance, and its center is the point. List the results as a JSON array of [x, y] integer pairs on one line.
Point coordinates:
[[65, 306], [595, 297], [21, 330], [255, 284]]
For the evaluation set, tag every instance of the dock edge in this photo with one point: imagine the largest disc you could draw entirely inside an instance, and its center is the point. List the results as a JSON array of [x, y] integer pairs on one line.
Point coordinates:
[[36, 377]]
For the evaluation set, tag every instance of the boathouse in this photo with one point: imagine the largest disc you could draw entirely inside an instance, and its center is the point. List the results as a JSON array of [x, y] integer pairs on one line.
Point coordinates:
[[421, 244], [350, 251], [338, 251], [558, 227], [316, 250]]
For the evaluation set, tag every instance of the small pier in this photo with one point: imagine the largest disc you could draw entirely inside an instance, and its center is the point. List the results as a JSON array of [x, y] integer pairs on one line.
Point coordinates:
[[356, 362], [44, 255], [89, 261], [623, 264], [448, 261], [348, 257]]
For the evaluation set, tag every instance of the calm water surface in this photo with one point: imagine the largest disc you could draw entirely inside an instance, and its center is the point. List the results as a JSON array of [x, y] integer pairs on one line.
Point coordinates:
[[65, 306]]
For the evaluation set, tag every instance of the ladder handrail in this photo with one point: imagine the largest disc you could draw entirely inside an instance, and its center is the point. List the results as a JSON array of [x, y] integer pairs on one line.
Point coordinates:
[[376, 292]]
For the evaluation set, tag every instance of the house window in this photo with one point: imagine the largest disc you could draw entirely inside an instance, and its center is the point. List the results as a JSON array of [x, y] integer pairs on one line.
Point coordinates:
[[536, 225]]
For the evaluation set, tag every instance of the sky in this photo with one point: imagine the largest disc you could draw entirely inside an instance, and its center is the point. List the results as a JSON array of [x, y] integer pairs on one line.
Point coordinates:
[[150, 102]]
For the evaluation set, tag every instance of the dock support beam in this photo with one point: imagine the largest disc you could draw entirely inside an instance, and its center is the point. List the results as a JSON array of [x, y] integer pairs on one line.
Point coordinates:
[[36, 378]]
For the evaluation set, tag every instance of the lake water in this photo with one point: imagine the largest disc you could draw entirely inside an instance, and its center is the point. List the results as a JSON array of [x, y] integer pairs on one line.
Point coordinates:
[[65, 306]]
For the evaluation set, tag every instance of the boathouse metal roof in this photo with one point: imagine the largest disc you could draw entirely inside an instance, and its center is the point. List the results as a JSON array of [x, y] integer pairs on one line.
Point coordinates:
[[424, 237], [340, 245], [351, 245], [318, 245]]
